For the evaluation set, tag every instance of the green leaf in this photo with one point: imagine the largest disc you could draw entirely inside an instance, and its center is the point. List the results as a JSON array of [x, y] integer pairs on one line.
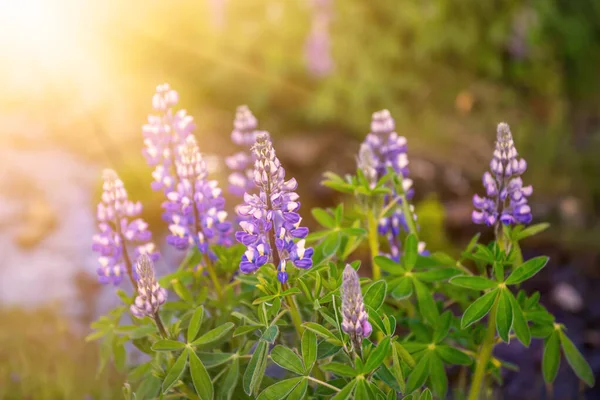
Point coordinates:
[[411, 251], [427, 305], [478, 309], [526, 270], [331, 244], [326, 349], [389, 265], [182, 291], [361, 392], [244, 329], [520, 325], [271, 334], [286, 358], [167, 345], [321, 331], [256, 368], [323, 217], [473, 282], [195, 323], [551, 360], [200, 378], [339, 369], [346, 391], [299, 391], [441, 331], [279, 390], [437, 274], [309, 350], [426, 395], [175, 372], [452, 355], [504, 316], [437, 376], [397, 369], [230, 382], [375, 295], [576, 361], [418, 376], [214, 334], [404, 289], [211, 360], [532, 230], [404, 355], [384, 374], [378, 355]]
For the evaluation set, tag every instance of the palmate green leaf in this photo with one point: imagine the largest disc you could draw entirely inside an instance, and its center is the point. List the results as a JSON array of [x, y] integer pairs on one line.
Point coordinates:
[[279, 390], [230, 382], [299, 392], [426, 303], [287, 359], [478, 309], [576, 361], [411, 251], [551, 359], [452, 355], [331, 244], [441, 331], [340, 369], [323, 217], [214, 335], [244, 330], [200, 378], [326, 349], [504, 316], [175, 372], [321, 331], [375, 295], [388, 265], [526, 270], [520, 325], [271, 333], [397, 368], [167, 345], [531, 230], [403, 289], [419, 374], [384, 374], [211, 360], [346, 391], [195, 324], [309, 350], [377, 356], [256, 368], [437, 274], [473, 282], [361, 392], [437, 376], [426, 395]]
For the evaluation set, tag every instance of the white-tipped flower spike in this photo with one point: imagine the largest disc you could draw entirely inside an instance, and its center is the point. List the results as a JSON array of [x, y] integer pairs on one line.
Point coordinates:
[[355, 320], [150, 295]]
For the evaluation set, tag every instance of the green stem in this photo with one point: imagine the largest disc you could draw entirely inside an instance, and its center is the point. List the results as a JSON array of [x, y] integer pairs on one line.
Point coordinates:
[[160, 326], [484, 354], [373, 243], [295, 314], [324, 384], [213, 276]]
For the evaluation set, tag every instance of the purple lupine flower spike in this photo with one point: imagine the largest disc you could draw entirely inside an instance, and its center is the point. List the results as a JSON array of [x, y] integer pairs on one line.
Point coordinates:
[[120, 231], [383, 148], [150, 296], [271, 223], [165, 131], [355, 321], [317, 48], [506, 197], [195, 208], [241, 163]]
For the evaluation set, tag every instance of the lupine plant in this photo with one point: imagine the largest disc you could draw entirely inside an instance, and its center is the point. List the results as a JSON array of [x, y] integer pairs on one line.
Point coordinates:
[[275, 312]]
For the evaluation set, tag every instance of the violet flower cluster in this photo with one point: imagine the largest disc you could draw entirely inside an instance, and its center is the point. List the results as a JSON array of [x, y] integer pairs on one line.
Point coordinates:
[[355, 321], [150, 295], [317, 49], [119, 227], [241, 163], [506, 197], [273, 223], [165, 131], [383, 148], [195, 208]]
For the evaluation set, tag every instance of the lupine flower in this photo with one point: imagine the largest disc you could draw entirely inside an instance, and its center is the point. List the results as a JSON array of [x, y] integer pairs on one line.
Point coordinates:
[[272, 223], [241, 163], [355, 320], [195, 208], [383, 148], [165, 131], [506, 197], [119, 228], [150, 295], [317, 49]]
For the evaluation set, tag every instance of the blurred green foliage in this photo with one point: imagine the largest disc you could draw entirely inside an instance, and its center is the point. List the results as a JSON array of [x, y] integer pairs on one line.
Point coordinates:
[[42, 358]]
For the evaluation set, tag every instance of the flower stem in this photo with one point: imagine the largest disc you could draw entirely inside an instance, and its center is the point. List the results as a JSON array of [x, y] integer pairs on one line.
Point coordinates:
[[324, 384], [213, 275], [373, 243], [160, 326], [484, 354]]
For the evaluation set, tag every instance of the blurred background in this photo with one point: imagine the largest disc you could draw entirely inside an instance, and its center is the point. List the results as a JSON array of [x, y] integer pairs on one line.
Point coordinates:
[[76, 81]]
